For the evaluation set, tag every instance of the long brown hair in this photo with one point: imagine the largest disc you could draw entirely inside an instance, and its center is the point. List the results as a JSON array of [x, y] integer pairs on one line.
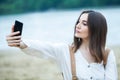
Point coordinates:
[[97, 27]]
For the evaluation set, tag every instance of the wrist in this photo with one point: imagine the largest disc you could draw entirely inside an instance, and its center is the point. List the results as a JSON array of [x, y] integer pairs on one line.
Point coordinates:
[[22, 45]]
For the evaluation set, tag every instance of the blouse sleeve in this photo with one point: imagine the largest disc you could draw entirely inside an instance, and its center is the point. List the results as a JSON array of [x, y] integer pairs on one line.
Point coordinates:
[[43, 49], [111, 68]]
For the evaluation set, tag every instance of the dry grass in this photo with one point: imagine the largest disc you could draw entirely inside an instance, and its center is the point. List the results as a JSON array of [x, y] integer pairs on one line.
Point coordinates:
[[15, 65]]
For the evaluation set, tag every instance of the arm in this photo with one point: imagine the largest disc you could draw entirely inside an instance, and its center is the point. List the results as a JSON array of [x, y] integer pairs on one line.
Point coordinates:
[[111, 68], [44, 49], [35, 48]]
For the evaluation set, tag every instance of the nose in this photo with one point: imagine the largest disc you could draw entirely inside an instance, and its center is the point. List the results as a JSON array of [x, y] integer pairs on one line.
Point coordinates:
[[78, 26]]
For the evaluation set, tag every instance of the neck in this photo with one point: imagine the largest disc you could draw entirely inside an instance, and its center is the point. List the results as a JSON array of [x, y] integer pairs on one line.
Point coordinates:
[[85, 44]]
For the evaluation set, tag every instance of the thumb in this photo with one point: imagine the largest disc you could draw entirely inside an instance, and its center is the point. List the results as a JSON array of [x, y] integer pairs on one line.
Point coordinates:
[[12, 30]]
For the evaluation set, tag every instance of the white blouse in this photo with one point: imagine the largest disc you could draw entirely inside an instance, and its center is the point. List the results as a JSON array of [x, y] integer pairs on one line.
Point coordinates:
[[60, 53]]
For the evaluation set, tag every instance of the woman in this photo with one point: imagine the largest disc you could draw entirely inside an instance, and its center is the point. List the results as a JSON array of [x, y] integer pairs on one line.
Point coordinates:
[[89, 48]]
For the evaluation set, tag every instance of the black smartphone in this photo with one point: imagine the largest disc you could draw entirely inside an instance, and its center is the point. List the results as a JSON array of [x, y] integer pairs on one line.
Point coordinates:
[[18, 26]]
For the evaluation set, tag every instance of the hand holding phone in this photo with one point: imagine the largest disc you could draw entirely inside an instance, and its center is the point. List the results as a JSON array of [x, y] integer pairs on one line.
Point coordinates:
[[18, 26]]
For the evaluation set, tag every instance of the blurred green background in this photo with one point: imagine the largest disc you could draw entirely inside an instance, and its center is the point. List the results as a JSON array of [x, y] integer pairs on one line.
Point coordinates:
[[22, 6]]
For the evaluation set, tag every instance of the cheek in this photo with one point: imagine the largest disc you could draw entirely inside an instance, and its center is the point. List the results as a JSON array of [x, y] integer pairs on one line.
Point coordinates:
[[83, 34]]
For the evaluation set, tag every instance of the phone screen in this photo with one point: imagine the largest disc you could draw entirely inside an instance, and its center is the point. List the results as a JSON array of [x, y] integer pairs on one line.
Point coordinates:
[[18, 26]]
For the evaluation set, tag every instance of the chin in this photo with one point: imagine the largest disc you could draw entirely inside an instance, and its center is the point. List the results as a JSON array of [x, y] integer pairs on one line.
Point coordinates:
[[77, 36]]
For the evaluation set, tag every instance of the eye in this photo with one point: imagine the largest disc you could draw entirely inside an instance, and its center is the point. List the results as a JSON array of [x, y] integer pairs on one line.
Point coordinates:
[[84, 23]]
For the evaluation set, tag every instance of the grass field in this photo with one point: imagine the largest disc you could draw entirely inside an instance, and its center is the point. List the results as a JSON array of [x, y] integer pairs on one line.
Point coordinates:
[[15, 65]]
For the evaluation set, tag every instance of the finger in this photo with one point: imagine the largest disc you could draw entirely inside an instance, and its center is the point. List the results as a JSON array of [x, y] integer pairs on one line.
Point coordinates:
[[13, 38], [13, 34], [14, 44], [14, 41], [12, 30]]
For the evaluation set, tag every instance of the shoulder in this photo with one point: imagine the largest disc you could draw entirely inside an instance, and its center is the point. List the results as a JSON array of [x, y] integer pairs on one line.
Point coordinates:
[[111, 55], [109, 51]]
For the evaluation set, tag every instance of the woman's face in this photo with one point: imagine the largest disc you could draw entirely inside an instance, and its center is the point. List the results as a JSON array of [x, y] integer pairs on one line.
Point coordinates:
[[81, 30]]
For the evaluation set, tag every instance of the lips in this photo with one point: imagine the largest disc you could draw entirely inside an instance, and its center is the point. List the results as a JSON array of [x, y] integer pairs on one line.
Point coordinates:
[[77, 31]]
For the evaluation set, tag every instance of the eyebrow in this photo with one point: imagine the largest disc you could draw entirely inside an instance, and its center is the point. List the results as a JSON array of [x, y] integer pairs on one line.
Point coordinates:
[[83, 21]]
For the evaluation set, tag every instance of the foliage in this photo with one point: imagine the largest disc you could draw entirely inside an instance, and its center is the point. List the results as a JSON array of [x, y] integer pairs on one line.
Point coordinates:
[[19, 6]]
